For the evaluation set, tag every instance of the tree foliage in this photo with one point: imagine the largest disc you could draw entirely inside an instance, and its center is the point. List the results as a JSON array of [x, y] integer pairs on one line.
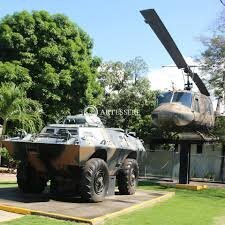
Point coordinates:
[[12, 72], [213, 58], [136, 68], [130, 108], [16, 107], [127, 104], [51, 57], [10, 161], [220, 127], [113, 76], [213, 65]]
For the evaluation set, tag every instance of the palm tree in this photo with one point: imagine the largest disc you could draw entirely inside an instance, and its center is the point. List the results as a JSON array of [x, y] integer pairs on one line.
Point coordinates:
[[16, 107]]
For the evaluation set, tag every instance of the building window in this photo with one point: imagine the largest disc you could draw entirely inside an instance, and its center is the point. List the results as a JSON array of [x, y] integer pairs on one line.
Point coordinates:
[[199, 149]]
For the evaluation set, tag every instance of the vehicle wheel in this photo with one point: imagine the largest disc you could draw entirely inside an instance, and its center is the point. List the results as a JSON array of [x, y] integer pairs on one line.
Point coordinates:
[[127, 177], [94, 180], [28, 180]]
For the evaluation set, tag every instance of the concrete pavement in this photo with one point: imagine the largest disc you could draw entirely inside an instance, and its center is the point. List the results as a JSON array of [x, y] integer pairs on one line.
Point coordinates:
[[6, 216], [11, 199]]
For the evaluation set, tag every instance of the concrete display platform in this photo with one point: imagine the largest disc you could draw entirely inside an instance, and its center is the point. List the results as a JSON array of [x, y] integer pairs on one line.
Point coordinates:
[[12, 200]]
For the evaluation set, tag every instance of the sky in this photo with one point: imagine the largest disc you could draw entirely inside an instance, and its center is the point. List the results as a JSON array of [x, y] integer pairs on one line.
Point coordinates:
[[119, 31]]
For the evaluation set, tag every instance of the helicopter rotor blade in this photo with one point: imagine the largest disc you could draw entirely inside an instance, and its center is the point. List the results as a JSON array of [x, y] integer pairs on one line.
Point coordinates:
[[152, 18], [199, 83], [154, 21]]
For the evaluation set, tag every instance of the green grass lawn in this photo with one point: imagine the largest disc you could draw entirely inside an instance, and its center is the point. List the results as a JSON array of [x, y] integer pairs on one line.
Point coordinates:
[[186, 208], [37, 220], [6, 184]]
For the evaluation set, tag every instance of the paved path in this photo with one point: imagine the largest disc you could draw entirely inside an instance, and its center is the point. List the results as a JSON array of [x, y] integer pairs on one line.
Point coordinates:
[[163, 182], [12, 178], [74, 206], [7, 177], [6, 216], [212, 185]]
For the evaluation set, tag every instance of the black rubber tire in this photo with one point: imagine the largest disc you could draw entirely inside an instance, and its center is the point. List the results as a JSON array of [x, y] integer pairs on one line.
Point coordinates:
[[28, 180], [95, 175], [127, 177]]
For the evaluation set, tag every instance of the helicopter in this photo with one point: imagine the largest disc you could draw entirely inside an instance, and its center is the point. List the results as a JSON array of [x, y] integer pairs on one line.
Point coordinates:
[[180, 110]]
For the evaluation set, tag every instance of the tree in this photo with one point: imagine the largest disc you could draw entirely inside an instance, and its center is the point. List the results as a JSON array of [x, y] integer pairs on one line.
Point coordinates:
[[127, 104], [213, 64], [10, 161], [113, 76], [52, 58], [136, 68], [130, 108], [16, 107], [12, 72], [213, 58]]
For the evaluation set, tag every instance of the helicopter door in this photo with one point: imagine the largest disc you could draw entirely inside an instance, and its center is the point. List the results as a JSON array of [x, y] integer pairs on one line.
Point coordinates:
[[209, 112], [206, 111]]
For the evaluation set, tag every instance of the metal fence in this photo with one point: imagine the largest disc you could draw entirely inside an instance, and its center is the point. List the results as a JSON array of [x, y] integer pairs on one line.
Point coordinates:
[[160, 164], [165, 165], [207, 167]]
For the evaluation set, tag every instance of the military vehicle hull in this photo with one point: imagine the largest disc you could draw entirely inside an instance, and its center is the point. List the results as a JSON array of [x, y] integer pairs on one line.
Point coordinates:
[[77, 159], [44, 157]]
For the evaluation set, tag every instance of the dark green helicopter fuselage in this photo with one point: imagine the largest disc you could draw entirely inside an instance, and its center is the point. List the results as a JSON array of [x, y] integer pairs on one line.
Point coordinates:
[[183, 110]]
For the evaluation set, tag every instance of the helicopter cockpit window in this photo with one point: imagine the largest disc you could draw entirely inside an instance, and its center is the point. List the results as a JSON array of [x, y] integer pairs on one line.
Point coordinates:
[[184, 98], [164, 97]]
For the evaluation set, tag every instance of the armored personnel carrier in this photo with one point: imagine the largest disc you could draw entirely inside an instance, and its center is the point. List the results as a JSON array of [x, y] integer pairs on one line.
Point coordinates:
[[79, 157]]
